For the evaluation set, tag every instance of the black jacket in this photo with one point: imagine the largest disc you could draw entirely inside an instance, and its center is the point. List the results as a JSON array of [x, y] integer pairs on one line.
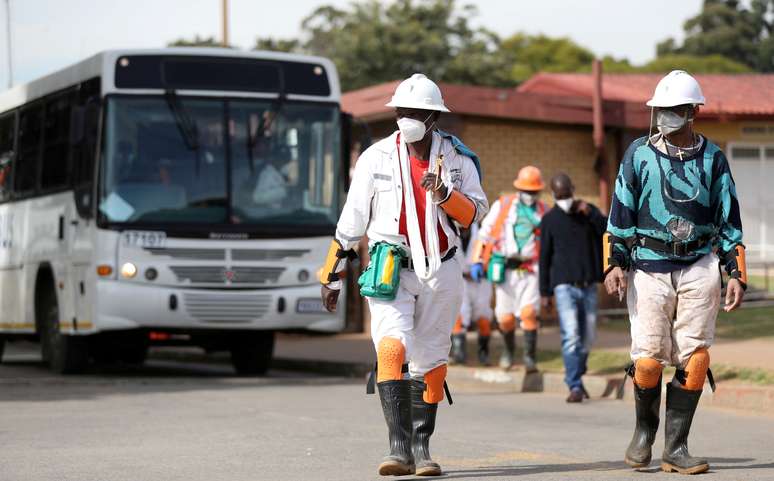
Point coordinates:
[[570, 248]]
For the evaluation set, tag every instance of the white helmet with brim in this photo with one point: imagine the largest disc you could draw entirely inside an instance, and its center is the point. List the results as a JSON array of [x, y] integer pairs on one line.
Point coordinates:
[[676, 88], [418, 92]]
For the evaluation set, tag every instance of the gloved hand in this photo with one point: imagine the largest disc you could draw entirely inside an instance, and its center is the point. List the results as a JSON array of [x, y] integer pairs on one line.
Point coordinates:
[[477, 272]]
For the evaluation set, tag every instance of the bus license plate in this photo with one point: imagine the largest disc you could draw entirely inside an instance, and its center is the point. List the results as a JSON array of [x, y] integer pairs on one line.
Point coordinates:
[[310, 305], [144, 238]]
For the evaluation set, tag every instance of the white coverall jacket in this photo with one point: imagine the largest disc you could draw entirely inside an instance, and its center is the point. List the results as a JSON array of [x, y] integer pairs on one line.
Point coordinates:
[[520, 288], [423, 313]]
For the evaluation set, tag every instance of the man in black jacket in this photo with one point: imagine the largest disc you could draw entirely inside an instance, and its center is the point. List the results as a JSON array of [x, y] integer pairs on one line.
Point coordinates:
[[570, 268]]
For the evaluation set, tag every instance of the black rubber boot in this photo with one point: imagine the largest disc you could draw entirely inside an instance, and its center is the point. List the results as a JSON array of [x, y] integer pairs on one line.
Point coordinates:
[[396, 404], [506, 359], [424, 425], [483, 350], [680, 407], [647, 402], [458, 352], [530, 351]]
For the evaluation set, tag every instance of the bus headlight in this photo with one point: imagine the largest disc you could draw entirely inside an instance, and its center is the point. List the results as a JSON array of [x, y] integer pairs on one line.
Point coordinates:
[[303, 275], [128, 270]]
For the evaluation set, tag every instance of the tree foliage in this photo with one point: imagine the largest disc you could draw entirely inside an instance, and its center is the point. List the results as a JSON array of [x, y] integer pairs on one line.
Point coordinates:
[[736, 30], [373, 41], [197, 41]]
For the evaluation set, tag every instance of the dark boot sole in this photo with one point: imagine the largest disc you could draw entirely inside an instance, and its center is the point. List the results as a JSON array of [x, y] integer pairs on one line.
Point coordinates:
[[637, 464], [429, 471], [671, 468], [394, 468]]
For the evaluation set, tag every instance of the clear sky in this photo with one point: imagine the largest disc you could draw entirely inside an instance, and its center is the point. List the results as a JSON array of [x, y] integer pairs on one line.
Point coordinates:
[[50, 34]]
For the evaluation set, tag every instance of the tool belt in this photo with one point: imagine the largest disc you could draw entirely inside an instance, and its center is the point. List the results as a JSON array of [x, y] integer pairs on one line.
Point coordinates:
[[678, 249], [517, 263], [407, 263]]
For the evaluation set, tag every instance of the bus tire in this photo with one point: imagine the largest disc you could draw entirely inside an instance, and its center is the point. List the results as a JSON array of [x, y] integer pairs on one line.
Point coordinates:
[[251, 353], [64, 354]]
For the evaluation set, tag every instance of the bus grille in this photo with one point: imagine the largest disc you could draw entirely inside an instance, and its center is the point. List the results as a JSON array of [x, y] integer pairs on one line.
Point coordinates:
[[189, 253], [225, 307], [222, 275], [266, 254]]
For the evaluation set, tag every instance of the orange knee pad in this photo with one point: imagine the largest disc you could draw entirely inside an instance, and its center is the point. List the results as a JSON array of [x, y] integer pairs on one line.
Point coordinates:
[[696, 369], [434, 385], [484, 327], [458, 326], [389, 357], [529, 320], [507, 322], [647, 372]]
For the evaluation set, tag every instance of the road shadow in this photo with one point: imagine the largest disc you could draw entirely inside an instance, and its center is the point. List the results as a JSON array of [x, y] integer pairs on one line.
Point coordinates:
[[716, 464]]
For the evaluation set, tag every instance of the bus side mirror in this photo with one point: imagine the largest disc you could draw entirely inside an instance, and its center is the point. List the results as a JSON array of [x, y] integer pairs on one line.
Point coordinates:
[[83, 200]]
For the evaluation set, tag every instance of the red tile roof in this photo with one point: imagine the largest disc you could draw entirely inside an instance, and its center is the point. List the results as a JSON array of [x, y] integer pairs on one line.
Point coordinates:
[[735, 95], [368, 104]]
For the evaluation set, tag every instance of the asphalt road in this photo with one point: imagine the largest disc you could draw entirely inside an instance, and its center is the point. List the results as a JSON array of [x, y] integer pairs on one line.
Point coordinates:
[[188, 421]]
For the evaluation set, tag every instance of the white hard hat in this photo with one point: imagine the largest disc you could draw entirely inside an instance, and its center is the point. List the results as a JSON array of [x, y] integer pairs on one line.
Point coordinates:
[[677, 88], [418, 92]]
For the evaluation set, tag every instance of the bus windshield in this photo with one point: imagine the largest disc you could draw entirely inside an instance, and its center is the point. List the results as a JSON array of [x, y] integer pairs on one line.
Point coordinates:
[[248, 163]]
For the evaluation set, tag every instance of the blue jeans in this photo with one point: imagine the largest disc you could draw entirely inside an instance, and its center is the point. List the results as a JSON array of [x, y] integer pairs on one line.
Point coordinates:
[[577, 308]]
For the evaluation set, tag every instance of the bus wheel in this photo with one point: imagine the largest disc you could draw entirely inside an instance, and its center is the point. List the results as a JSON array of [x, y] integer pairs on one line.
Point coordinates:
[[251, 352], [64, 354]]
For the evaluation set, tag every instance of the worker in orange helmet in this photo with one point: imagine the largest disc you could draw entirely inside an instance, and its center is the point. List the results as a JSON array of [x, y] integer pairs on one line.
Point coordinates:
[[507, 252]]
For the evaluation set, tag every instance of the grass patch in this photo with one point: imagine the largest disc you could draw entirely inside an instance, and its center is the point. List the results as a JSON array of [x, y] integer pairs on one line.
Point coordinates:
[[744, 323], [600, 362]]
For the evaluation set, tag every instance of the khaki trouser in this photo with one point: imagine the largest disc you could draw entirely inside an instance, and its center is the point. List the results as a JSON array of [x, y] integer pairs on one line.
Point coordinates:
[[674, 314]]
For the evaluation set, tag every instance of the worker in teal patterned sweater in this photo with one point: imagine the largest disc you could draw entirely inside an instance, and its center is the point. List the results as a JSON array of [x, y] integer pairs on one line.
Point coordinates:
[[674, 216]]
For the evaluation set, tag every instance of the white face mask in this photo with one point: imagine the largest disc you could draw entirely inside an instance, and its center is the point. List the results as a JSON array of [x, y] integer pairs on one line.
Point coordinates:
[[527, 198], [412, 130], [565, 204], [669, 122]]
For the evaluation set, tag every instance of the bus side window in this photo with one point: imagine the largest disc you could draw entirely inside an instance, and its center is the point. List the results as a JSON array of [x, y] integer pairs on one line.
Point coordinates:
[[83, 138], [56, 136], [30, 126], [7, 141]]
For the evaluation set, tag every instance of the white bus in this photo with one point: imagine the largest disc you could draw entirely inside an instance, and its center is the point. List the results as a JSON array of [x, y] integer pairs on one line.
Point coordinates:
[[169, 196]]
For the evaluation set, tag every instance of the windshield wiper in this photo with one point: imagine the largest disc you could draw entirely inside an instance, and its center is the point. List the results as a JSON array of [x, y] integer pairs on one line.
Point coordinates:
[[186, 125]]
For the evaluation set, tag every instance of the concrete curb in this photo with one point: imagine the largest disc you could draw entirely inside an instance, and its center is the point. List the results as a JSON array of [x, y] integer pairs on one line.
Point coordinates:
[[495, 380]]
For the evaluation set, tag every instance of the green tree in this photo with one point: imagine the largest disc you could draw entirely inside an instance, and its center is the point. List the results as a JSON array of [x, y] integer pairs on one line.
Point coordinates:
[[736, 30], [530, 54], [277, 45], [372, 42], [694, 64], [197, 41]]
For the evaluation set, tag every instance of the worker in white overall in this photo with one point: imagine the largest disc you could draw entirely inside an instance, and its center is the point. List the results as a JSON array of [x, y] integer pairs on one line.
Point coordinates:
[[476, 304], [410, 193], [508, 251]]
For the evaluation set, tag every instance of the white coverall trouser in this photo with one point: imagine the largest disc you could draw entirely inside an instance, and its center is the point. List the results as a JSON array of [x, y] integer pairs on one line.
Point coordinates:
[[519, 290], [421, 316], [476, 302], [673, 314]]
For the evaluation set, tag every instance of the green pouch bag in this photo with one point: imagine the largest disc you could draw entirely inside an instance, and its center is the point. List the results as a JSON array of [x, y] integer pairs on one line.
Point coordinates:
[[381, 278], [495, 271]]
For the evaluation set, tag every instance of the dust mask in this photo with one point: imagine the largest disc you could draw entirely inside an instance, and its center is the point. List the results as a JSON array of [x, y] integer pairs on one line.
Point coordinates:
[[669, 122], [527, 199], [412, 130], [565, 204]]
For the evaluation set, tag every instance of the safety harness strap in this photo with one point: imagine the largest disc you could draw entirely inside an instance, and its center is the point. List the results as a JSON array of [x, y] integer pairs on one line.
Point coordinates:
[[675, 248]]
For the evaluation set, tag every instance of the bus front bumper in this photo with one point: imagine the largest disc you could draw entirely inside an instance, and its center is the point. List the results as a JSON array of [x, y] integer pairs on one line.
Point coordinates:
[[128, 305]]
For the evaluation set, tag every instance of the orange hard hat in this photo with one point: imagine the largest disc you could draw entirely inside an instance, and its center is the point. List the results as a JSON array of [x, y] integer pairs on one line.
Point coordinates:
[[529, 179]]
